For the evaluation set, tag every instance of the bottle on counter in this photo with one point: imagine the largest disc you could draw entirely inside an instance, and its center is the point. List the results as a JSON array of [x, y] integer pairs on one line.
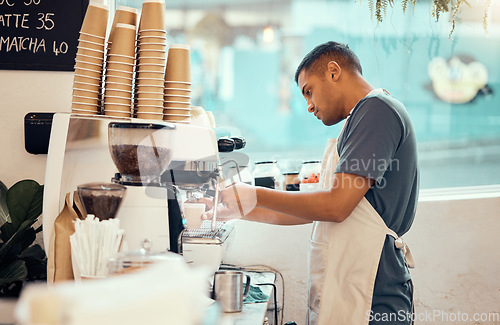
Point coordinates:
[[309, 176], [267, 174]]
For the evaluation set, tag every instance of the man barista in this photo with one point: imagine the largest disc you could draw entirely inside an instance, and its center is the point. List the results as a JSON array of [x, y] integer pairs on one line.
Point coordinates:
[[369, 180]]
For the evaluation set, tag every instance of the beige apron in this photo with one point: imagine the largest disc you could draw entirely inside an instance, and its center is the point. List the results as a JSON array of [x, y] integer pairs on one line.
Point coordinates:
[[344, 259]]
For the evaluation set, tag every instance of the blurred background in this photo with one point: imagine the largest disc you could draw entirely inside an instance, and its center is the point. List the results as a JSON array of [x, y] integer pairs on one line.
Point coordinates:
[[244, 56]]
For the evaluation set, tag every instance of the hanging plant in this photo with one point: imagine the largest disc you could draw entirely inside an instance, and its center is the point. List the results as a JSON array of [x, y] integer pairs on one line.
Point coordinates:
[[379, 8]]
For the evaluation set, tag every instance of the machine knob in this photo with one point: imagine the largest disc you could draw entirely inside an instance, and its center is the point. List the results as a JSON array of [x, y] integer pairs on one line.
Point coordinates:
[[239, 142], [225, 144]]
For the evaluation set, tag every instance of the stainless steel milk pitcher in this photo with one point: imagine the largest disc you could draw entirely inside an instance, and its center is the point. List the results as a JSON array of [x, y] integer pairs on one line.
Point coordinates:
[[228, 290]]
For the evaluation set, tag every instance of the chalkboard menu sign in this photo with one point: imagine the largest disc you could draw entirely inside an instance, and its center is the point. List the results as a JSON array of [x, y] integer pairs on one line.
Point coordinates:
[[40, 34]]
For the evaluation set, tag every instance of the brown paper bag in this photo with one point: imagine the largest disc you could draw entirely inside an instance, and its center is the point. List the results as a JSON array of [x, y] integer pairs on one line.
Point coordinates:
[[59, 265]]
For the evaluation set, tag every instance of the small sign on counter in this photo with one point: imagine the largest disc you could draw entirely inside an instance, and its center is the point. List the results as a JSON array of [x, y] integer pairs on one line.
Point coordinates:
[[40, 34]]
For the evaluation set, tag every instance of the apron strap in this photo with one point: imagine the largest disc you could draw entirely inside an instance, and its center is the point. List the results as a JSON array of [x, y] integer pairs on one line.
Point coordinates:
[[400, 244]]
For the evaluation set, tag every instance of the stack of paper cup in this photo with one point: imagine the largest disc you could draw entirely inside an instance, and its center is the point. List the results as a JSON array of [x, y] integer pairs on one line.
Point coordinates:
[[120, 72], [177, 90], [150, 67], [123, 15], [89, 61]]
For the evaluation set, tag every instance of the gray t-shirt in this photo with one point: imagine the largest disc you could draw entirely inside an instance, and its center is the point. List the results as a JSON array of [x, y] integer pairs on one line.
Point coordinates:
[[378, 141]]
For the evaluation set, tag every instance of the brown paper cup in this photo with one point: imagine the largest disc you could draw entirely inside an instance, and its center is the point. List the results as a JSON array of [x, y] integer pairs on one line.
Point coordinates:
[[82, 112], [119, 73], [124, 40], [157, 75], [84, 107], [85, 93], [118, 96], [117, 79], [95, 21], [119, 92], [152, 15], [151, 67], [152, 60], [171, 117], [177, 85], [88, 65], [118, 106], [149, 53], [117, 58], [150, 116], [177, 111], [149, 95], [178, 66], [170, 104], [85, 99], [123, 15], [90, 58], [117, 66], [117, 113], [152, 47], [149, 82], [89, 55], [108, 99], [85, 86], [149, 88], [88, 72], [152, 102], [143, 108], [176, 91], [170, 98], [119, 86], [86, 82], [143, 33], [92, 38], [97, 46], [144, 38]]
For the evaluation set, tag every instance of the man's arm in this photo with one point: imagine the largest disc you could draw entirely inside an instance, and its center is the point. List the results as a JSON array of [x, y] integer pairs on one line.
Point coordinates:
[[272, 217], [334, 205]]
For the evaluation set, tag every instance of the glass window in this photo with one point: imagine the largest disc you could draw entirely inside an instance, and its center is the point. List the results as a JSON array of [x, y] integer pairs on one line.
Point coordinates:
[[244, 56]]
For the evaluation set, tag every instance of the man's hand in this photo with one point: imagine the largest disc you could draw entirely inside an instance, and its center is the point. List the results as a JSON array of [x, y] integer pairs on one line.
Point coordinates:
[[237, 200]]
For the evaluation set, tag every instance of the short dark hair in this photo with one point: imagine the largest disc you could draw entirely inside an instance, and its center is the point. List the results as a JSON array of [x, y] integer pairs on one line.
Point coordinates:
[[326, 52]]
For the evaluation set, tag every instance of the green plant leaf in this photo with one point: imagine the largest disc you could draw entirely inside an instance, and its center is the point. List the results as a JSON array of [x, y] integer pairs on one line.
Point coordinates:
[[36, 263], [34, 251], [4, 210], [16, 238], [15, 271], [24, 200]]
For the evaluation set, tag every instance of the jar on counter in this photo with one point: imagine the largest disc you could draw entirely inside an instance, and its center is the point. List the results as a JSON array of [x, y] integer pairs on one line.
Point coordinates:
[[267, 174], [309, 175], [291, 181]]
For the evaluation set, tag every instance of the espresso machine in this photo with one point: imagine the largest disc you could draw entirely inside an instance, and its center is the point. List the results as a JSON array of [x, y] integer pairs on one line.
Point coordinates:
[[161, 164]]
